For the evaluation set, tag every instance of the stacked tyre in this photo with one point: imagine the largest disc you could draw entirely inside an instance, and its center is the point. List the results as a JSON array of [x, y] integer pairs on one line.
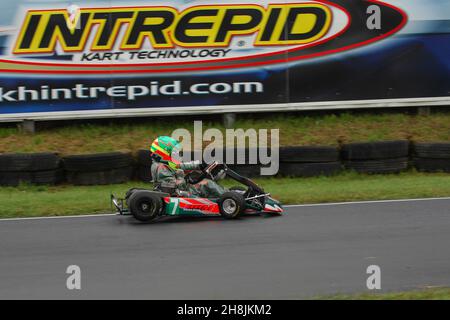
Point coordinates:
[[246, 162], [309, 161], [376, 157], [431, 157], [98, 169], [31, 168], [248, 158], [144, 166]]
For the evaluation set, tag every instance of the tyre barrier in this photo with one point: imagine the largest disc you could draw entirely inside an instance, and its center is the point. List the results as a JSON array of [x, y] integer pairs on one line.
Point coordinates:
[[33, 168], [309, 169], [242, 160], [309, 154], [303, 161], [247, 170], [98, 169], [90, 178], [307, 161], [380, 166], [375, 150], [376, 157], [97, 162], [431, 157]]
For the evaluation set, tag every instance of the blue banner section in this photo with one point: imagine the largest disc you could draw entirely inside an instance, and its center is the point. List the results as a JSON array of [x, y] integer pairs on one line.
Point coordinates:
[[110, 56]]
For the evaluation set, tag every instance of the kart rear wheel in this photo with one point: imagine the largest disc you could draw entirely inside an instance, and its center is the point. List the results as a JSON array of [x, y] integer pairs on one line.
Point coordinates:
[[231, 205], [129, 194], [145, 206]]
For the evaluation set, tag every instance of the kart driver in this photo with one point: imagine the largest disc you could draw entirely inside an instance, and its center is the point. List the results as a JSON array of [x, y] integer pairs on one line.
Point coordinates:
[[168, 171]]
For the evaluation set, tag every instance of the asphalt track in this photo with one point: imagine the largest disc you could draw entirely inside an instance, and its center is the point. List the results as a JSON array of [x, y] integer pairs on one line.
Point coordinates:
[[313, 250]]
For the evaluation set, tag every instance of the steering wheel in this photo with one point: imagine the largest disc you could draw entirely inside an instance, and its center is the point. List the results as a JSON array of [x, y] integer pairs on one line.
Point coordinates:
[[195, 177], [212, 171]]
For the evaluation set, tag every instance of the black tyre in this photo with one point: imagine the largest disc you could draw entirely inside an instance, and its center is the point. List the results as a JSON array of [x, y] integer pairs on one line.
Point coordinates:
[[144, 173], [231, 205], [29, 161], [113, 176], [13, 179], [375, 150], [432, 165], [50, 177], [97, 162], [288, 169], [240, 156], [145, 206], [309, 154], [144, 158], [432, 150], [247, 170], [130, 193], [378, 166]]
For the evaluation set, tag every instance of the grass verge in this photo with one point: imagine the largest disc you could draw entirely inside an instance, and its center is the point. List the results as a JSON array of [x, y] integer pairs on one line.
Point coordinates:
[[295, 129], [428, 294], [32, 201]]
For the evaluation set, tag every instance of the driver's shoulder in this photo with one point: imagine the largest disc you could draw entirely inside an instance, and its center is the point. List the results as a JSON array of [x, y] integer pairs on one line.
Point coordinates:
[[159, 168]]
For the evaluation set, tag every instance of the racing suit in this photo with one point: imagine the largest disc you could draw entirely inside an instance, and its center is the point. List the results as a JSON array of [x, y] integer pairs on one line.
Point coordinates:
[[206, 188]]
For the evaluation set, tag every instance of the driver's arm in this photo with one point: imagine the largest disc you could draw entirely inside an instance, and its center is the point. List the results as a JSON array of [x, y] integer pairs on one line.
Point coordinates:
[[175, 179], [191, 165]]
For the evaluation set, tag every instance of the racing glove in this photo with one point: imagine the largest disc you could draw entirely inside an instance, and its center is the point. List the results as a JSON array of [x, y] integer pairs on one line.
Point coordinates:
[[191, 165]]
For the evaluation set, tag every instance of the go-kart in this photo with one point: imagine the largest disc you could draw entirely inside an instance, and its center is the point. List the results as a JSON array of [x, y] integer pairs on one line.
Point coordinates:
[[165, 200]]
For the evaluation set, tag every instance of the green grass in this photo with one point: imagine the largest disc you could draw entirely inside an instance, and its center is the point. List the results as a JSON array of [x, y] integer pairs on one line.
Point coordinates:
[[428, 294], [30, 201], [295, 129]]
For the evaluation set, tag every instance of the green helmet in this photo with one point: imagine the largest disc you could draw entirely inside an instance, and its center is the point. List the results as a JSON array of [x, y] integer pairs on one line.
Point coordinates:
[[163, 150]]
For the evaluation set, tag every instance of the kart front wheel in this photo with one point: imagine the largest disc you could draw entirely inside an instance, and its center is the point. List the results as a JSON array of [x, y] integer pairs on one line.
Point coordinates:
[[145, 206], [231, 205]]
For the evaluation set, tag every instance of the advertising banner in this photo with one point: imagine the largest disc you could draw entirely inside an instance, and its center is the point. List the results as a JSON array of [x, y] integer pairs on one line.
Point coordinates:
[[61, 59]]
